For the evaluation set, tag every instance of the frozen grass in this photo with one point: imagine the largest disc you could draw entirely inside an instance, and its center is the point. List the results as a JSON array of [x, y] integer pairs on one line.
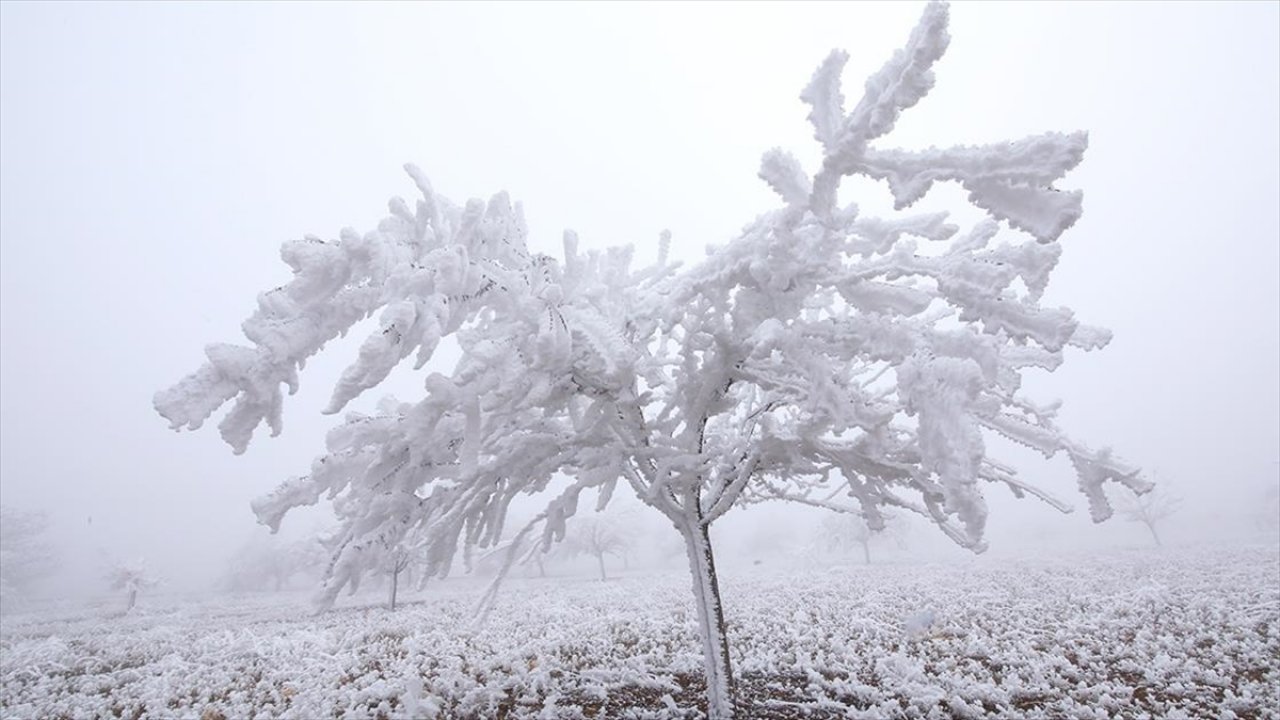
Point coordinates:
[[1169, 634]]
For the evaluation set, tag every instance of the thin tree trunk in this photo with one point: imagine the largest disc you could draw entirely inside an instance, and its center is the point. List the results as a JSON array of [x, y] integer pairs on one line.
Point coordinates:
[[600, 560], [1156, 537], [866, 553], [395, 580], [715, 642], [133, 599]]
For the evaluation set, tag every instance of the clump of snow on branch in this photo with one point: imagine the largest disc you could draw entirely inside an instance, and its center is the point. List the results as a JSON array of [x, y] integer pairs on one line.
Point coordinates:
[[821, 357]]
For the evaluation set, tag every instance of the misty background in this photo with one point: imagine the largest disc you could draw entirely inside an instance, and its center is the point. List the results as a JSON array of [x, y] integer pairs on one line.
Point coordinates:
[[153, 157]]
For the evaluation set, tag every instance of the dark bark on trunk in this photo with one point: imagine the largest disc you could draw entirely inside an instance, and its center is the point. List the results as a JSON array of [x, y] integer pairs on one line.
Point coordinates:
[[600, 561], [715, 641], [395, 581]]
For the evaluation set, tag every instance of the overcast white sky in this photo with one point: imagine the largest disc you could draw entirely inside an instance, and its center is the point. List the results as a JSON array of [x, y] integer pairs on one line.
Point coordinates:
[[153, 157]]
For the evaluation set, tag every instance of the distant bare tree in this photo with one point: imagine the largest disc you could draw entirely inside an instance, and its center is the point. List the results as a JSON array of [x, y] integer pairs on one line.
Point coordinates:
[[843, 532], [1151, 508], [267, 563], [598, 536], [397, 561], [403, 559]]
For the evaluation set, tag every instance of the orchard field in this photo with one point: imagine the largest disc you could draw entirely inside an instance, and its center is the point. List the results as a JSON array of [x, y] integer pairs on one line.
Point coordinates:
[[1164, 634]]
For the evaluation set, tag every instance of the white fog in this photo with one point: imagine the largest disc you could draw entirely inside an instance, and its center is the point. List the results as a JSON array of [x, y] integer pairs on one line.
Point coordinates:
[[155, 158]]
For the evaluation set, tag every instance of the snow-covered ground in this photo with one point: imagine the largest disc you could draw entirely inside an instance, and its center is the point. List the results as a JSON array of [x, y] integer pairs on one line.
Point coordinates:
[[1173, 633]]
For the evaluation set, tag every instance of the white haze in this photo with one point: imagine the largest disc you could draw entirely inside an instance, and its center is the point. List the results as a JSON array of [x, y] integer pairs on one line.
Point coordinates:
[[154, 156]]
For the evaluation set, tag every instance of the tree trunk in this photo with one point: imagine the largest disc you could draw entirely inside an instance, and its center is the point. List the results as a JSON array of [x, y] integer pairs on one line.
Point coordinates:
[[133, 599], [600, 560], [395, 578], [866, 553], [1156, 537], [715, 642]]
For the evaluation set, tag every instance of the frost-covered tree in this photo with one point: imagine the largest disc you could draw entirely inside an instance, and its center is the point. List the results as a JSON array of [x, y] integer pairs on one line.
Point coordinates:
[[596, 536], [1150, 509], [387, 553], [396, 562], [26, 555], [264, 564], [132, 577], [823, 356], [403, 558], [844, 533]]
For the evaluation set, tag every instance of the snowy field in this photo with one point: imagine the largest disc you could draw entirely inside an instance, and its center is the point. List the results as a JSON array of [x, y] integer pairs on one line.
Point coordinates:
[[1177, 633]]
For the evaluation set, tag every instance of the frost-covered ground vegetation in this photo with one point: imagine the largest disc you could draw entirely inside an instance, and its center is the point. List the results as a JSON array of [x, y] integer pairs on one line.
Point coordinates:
[[1175, 633]]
